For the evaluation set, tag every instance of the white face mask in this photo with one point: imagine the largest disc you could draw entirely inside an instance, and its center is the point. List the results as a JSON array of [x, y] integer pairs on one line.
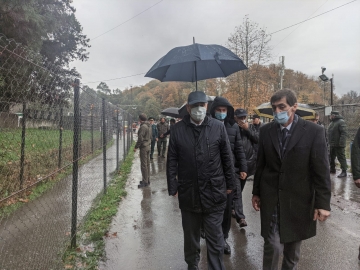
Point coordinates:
[[198, 113]]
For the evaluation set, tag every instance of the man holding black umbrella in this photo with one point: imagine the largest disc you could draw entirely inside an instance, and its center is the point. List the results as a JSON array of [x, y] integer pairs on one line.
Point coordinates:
[[200, 172]]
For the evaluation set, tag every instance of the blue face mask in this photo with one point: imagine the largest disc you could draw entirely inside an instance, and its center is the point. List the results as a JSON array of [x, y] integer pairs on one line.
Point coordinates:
[[281, 117], [220, 115]]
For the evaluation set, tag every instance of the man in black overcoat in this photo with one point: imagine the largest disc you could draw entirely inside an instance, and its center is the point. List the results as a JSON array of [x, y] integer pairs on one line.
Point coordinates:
[[292, 182], [200, 171]]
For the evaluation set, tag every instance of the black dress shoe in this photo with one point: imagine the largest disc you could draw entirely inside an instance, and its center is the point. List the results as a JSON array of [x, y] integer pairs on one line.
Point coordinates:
[[332, 171], [142, 182], [233, 213], [142, 185], [342, 174], [242, 223], [227, 249]]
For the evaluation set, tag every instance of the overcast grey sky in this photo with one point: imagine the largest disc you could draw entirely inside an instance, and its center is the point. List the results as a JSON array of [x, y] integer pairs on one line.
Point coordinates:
[[331, 40]]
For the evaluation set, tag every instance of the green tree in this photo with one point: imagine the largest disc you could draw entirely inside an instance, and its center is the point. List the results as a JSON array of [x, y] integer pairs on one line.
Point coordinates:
[[103, 88], [47, 38]]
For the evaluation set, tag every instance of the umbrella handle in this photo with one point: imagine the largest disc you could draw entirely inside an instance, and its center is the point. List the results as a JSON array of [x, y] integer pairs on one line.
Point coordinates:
[[195, 77]]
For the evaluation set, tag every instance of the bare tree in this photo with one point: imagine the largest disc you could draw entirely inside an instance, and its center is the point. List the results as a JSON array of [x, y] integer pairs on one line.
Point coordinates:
[[251, 44]]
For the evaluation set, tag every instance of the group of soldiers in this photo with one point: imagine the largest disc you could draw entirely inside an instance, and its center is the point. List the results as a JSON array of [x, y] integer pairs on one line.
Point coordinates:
[[211, 156]]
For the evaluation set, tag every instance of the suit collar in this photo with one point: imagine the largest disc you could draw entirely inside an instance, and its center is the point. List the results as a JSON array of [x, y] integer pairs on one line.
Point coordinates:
[[296, 133]]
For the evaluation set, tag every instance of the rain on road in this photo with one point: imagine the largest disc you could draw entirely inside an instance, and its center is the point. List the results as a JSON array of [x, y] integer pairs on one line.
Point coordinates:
[[149, 231]]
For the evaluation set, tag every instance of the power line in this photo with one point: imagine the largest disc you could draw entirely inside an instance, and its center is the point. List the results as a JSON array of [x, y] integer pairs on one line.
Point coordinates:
[[312, 17], [116, 78], [270, 34], [299, 26], [127, 20]]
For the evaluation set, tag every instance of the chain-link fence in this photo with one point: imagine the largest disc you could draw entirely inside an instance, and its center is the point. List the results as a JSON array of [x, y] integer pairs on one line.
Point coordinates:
[[58, 146], [350, 114]]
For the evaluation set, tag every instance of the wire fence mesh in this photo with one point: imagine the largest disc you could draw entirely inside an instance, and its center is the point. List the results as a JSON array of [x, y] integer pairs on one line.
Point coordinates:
[[58, 147]]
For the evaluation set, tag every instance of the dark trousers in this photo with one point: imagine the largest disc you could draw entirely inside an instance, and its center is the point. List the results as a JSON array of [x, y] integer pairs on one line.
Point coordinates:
[[237, 199], [226, 224], [152, 148], [145, 163], [161, 143], [191, 223], [273, 249], [338, 152]]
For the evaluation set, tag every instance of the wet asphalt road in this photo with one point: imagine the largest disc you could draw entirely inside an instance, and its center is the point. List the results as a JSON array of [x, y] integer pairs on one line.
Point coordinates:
[[149, 231]]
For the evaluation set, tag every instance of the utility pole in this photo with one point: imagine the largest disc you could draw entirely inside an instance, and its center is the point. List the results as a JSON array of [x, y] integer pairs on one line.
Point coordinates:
[[332, 89], [282, 71]]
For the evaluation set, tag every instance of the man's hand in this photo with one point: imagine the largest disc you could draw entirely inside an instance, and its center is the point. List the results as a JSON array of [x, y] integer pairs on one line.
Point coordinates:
[[228, 191], [244, 125], [156, 139], [243, 175], [357, 182], [175, 195], [161, 136], [256, 202], [321, 214], [134, 150]]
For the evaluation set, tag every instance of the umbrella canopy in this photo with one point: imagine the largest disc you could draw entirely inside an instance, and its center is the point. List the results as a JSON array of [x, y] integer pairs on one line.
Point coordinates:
[[303, 110], [196, 62], [172, 112], [183, 111]]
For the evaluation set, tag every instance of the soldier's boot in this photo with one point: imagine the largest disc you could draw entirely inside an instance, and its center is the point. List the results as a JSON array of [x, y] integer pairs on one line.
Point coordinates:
[[342, 174]]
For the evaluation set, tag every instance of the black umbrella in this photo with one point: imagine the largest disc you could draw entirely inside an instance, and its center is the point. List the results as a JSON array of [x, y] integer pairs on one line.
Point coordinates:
[[183, 111], [172, 112], [196, 62], [303, 110]]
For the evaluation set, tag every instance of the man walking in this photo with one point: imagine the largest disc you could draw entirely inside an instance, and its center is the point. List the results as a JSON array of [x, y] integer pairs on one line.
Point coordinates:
[[222, 110], [355, 163], [162, 128], [154, 136], [337, 142], [256, 123], [292, 182], [143, 143], [200, 171], [249, 138]]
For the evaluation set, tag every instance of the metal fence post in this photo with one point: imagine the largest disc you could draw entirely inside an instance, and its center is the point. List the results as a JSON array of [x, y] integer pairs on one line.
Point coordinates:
[[131, 135], [124, 130], [104, 142], [75, 162], [22, 154], [117, 139], [92, 129], [60, 137], [80, 131]]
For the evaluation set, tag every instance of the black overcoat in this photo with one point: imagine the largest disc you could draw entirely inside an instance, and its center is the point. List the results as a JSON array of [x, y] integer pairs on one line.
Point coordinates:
[[299, 182], [200, 171]]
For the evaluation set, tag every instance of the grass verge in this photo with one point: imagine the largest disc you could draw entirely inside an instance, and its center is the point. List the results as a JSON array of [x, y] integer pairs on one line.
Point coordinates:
[[42, 187], [91, 234]]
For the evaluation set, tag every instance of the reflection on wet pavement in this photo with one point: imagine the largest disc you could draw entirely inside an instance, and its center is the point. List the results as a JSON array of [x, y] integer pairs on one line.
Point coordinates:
[[345, 187], [150, 236]]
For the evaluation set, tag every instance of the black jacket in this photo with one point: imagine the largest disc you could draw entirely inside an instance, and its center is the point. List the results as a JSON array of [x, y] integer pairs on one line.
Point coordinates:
[[355, 156], [298, 182], [249, 138], [201, 171], [233, 132]]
